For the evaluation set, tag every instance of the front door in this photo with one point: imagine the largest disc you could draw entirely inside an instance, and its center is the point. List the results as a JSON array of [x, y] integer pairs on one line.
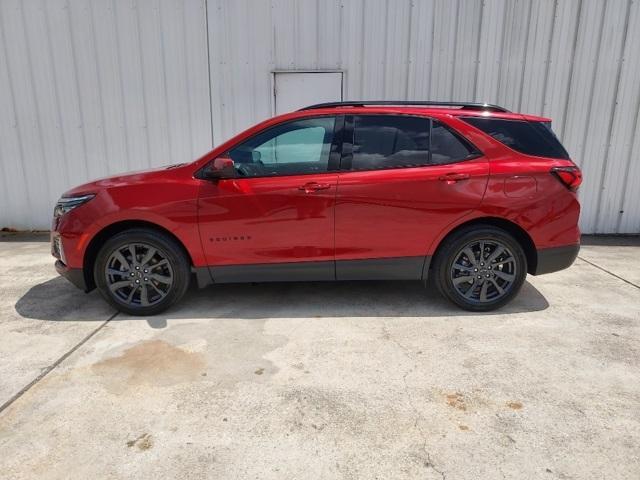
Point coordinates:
[[275, 220], [404, 180]]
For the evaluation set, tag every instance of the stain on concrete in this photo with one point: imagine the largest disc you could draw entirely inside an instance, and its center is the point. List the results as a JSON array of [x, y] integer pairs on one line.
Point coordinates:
[[464, 428], [142, 443], [514, 405], [153, 362], [316, 409], [457, 401], [385, 334], [241, 348], [613, 349], [259, 371]]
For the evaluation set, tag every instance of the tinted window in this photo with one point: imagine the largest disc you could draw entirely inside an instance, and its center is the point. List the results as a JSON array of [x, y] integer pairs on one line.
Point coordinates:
[[388, 141], [448, 147], [530, 138], [395, 141], [292, 148]]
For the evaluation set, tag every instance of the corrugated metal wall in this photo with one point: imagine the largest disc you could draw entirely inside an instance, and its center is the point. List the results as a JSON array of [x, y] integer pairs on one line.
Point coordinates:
[[90, 88], [577, 62]]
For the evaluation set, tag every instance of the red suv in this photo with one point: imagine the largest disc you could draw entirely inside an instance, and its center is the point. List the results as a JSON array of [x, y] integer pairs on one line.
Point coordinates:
[[470, 196]]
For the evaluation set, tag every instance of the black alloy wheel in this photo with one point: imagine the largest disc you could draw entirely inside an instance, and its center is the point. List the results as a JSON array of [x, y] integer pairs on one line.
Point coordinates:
[[479, 268], [483, 271], [142, 271], [139, 275]]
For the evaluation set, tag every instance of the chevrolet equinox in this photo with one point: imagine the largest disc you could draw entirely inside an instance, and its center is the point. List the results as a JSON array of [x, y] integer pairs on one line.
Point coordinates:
[[468, 196]]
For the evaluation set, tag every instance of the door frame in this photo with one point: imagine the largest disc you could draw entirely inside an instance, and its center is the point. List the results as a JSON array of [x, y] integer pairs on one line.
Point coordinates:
[[272, 81]]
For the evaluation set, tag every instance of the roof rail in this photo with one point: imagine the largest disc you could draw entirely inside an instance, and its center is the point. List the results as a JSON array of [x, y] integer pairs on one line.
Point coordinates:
[[362, 103]]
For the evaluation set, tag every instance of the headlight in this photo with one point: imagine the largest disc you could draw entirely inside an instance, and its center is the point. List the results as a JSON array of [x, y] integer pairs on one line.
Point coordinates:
[[65, 204]]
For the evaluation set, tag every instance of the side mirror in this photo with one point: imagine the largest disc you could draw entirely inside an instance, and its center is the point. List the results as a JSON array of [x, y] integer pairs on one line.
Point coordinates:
[[221, 167]]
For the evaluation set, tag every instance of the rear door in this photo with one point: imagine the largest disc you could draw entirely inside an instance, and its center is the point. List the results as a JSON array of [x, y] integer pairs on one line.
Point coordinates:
[[403, 180]]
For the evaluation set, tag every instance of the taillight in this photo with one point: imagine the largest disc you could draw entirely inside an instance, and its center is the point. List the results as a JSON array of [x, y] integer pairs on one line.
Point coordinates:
[[570, 177]]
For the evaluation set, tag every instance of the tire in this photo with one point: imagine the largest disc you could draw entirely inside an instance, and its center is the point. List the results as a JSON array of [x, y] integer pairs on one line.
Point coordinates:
[[461, 279], [152, 282]]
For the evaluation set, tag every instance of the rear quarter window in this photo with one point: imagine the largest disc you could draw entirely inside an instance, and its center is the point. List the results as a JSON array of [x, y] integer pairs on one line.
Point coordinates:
[[449, 147], [530, 138]]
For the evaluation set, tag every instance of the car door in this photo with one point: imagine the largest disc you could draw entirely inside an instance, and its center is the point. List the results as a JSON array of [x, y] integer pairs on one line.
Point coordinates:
[[275, 219], [404, 179]]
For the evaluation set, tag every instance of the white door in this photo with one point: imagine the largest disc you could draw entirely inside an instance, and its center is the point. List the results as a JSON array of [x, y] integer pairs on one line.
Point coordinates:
[[294, 90]]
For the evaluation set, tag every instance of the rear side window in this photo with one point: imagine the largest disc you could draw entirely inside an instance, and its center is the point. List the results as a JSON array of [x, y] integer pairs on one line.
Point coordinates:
[[530, 138], [396, 141], [389, 141]]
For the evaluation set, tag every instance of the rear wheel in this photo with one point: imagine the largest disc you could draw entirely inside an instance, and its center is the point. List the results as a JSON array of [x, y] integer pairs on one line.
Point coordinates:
[[141, 272], [480, 268]]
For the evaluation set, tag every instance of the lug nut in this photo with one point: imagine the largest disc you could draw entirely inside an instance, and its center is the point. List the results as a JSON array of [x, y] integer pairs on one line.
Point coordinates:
[[137, 281], [137, 268], [146, 279]]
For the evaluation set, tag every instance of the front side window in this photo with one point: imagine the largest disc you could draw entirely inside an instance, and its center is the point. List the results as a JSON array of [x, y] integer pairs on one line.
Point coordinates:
[[293, 148], [396, 141]]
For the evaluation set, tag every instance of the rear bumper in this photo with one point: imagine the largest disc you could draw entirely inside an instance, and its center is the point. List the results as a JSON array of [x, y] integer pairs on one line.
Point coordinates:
[[74, 275], [555, 258]]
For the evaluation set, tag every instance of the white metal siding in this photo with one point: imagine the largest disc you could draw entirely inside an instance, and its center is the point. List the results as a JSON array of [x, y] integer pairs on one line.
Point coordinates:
[[576, 61], [92, 88]]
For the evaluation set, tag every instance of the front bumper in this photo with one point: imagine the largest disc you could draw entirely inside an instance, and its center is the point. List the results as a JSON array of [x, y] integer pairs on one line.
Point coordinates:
[[555, 259], [74, 275]]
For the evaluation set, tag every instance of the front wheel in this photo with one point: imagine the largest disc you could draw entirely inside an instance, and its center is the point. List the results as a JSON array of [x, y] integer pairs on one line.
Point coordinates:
[[480, 268], [141, 272]]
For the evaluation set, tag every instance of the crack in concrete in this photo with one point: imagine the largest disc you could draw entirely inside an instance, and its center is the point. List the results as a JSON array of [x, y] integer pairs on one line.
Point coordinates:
[[610, 273], [409, 354], [45, 371]]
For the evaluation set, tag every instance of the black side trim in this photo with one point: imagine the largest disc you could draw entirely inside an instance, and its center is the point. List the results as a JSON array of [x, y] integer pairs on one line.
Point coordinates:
[[74, 275], [425, 267], [556, 258], [401, 268], [270, 272], [336, 145], [347, 143], [203, 276]]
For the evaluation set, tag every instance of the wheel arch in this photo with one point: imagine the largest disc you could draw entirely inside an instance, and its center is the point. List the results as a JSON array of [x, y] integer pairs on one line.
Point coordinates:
[[107, 232], [515, 230]]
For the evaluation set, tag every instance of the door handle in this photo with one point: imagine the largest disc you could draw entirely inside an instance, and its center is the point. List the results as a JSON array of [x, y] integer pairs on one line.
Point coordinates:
[[311, 187], [451, 178]]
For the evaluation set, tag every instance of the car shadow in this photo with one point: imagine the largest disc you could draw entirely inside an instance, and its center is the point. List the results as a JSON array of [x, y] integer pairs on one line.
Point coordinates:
[[57, 300]]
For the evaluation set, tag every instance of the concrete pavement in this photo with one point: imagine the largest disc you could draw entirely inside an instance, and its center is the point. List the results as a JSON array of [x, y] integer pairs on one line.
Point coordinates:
[[323, 380]]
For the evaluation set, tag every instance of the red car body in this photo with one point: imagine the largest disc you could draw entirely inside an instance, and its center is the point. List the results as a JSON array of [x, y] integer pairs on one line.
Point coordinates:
[[342, 224]]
